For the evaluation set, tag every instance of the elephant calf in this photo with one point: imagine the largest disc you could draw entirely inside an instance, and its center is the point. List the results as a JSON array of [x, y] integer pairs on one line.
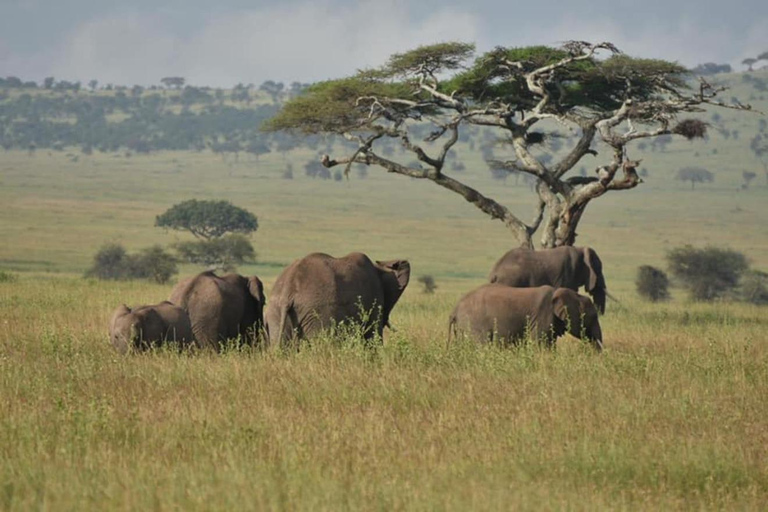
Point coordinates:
[[495, 311], [319, 290], [145, 326]]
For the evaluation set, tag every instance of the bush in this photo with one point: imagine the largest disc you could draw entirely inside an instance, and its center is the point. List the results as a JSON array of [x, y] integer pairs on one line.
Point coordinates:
[[652, 283], [7, 277], [112, 262], [754, 287], [707, 273], [224, 253], [429, 284], [155, 264]]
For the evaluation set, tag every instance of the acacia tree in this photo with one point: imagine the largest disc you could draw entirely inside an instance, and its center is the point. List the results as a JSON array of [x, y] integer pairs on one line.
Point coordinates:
[[616, 100], [219, 227], [208, 219], [694, 175]]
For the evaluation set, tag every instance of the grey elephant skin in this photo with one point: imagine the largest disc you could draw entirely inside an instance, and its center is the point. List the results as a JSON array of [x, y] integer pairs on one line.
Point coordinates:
[[222, 308], [318, 291], [561, 267], [142, 327], [506, 314]]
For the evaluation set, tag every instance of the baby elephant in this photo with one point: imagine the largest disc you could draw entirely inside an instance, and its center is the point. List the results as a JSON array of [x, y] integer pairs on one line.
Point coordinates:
[[496, 311], [146, 326]]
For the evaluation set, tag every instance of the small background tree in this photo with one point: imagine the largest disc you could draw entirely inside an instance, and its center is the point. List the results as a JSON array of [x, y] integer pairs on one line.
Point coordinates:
[[652, 283], [694, 175], [208, 219], [429, 284], [748, 176], [707, 273], [220, 227]]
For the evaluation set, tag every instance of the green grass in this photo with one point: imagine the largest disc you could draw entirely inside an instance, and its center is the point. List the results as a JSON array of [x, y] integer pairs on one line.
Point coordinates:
[[671, 416]]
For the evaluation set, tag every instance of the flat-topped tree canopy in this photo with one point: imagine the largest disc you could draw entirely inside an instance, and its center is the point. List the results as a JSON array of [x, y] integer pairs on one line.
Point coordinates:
[[593, 90]]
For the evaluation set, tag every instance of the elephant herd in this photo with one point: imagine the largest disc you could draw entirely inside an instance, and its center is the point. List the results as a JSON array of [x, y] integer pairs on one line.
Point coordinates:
[[529, 293]]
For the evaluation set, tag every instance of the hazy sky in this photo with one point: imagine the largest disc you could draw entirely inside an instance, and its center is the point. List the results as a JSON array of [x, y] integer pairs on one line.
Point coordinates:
[[223, 42]]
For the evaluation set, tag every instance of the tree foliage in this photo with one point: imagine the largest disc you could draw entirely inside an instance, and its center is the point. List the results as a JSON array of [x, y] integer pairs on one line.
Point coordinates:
[[708, 273], [694, 175], [435, 93], [208, 219]]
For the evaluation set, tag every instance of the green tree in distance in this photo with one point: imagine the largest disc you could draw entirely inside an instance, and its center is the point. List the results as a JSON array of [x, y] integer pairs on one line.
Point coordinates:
[[208, 219], [220, 228]]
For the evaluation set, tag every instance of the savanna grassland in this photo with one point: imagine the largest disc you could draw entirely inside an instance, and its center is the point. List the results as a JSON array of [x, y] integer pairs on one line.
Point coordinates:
[[673, 415]]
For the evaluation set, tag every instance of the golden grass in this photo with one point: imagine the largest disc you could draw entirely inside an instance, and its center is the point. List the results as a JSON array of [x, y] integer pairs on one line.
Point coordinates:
[[672, 415]]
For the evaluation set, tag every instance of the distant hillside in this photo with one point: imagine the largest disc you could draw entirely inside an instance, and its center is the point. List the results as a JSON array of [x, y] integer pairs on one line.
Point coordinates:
[[59, 116]]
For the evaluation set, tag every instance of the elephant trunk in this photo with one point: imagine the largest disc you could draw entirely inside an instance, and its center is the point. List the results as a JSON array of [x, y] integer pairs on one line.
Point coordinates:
[[596, 337]]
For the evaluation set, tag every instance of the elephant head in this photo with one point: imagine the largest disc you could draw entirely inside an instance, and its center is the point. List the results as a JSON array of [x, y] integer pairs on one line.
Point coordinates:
[[129, 328], [394, 275], [577, 315], [592, 277]]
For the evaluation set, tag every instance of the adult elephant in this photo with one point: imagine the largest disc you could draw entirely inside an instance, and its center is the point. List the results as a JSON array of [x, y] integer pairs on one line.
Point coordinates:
[[142, 327], [319, 291], [507, 314], [566, 267], [222, 308]]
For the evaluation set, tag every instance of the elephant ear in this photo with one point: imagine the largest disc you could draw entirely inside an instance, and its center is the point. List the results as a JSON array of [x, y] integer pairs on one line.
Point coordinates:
[[394, 275], [256, 289], [400, 268], [567, 305], [122, 310], [596, 283]]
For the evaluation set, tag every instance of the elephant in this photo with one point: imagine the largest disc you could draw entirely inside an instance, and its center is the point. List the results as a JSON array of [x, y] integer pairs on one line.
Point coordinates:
[[319, 291], [142, 327], [222, 308], [507, 314], [566, 267]]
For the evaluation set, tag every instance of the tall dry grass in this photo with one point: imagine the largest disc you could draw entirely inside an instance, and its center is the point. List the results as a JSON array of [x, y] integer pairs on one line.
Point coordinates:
[[671, 416]]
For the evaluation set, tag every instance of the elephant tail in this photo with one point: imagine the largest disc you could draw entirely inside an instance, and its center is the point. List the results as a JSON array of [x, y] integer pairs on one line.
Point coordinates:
[[283, 317], [451, 330]]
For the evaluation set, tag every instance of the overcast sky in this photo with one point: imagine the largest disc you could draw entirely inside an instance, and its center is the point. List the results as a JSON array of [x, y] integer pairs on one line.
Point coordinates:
[[223, 42]]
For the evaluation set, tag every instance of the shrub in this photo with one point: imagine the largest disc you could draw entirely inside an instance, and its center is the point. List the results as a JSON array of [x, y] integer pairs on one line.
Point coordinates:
[[707, 273], [754, 287], [112, 262], [652, 283], [225, 253], [155, 264], [429, 283], [7, 277]]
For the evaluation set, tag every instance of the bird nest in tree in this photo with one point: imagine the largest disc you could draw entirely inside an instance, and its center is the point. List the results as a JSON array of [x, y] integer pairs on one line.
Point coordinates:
[[691, 129]]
